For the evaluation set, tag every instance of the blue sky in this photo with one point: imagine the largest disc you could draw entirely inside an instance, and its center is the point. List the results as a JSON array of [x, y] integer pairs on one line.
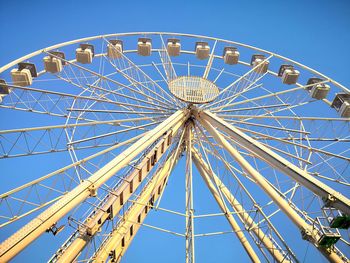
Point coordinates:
[[315, 33]]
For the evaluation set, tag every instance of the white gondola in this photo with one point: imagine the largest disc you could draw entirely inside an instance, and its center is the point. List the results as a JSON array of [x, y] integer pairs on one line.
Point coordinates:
[[115, 48], [288, 74], [319, 90], [173, 47], [84, 53], [341, 103], [4, 89], [144, 46], [202, 50], [53, 63], [24, 74], [22, 77], [260, 60], [231, 55]]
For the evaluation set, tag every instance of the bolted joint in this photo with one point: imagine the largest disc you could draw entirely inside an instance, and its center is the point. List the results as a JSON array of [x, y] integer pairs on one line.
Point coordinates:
[[329, 200], [54, 229], [93, 190], [306, 234]]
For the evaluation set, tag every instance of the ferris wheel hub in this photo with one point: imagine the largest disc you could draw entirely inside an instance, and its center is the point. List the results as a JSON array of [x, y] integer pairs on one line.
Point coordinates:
[[193, 89]]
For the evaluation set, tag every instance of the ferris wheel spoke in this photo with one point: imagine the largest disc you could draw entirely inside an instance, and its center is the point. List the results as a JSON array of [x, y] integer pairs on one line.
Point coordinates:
[[117, 197], [120, 112], [307, 229], [138, 211], [275, 149], [245, 216], [179, 149], [36, 101], [264, 241], [138, 84], [319, 188], [166, 61], [47, 139], [47, 102], [339, 171], [279, 122], [253, 108], [210, 61], [296, 117], [268, 113], [118, 94], [80, 193], [244, 82], [47, 188], [233, 95], [160, 73], [219, 75], [70, 80], [88, 87], [252, 84], [104, 77], [291, 141], [135, 72], [139, 127], [267, 126], [268, 137], [270, 95], [216, 194]]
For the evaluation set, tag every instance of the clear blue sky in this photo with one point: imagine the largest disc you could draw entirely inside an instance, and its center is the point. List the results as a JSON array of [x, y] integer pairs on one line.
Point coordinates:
[[315, 33]]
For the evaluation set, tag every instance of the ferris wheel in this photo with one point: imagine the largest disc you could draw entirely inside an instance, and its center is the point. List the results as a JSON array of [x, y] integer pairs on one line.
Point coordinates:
[[116, 114]]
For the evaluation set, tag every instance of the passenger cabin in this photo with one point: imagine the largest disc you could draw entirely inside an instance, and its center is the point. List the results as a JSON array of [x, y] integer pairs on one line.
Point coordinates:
[[328, 236], [4, 89], [114, 48], [288, 74], [144, 46], [317, 90], [341, 104], [24, 74], [336, 218], [259, 60], [53, 63], [202, 50], [231, 55], [173, 47], [85, 53]]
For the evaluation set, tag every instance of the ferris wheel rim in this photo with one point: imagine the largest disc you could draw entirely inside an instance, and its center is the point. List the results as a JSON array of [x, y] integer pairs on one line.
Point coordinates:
[[146, 33], [62, 44]]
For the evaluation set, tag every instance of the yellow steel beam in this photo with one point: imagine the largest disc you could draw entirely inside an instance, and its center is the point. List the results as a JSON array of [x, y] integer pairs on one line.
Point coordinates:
[[235, 227], [116, 200], [331, 196], [120, 238], [244, 217], [32, 230], [310, 233]]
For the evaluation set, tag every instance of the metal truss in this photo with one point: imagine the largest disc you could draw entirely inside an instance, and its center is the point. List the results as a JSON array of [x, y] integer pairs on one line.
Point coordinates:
[[271, 153]]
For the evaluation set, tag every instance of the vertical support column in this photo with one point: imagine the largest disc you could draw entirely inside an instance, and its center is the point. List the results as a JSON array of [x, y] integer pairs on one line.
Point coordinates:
[[310, 233], [190, 254], [235, 227]]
